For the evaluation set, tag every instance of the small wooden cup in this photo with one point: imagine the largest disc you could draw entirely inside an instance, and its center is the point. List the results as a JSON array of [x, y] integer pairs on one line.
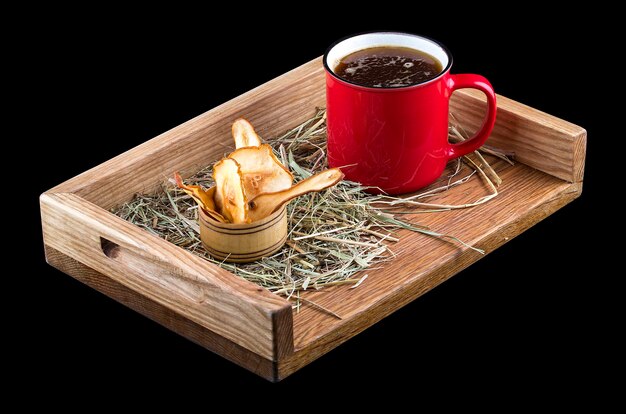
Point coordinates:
[[247, 242]]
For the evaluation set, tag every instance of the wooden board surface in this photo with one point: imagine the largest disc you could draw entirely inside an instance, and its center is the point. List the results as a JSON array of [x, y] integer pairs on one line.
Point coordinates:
[[188, 285], [526, 197], [542, 141], [245, 323], [163, 315]]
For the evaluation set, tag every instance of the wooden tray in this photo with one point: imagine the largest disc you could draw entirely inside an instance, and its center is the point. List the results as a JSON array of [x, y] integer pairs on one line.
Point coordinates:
[[245, 323]]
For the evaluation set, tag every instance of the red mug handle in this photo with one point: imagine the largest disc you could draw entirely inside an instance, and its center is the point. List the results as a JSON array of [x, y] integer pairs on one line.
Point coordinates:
[[483, 85]]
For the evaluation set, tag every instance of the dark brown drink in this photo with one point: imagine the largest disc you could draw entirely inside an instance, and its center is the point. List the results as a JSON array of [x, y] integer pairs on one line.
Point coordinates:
[[388, 67]]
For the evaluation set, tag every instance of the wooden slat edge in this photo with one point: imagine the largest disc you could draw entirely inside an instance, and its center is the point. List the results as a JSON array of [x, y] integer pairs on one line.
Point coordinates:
[[539, 140], [240, 311], [407, 293], [272, 108], [162, 315]]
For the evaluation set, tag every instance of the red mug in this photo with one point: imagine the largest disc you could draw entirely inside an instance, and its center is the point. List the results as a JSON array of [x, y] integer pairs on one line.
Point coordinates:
[[395, 139]]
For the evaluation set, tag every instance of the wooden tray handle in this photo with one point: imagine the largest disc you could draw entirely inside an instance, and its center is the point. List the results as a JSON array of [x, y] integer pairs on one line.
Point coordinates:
[[238, 310]]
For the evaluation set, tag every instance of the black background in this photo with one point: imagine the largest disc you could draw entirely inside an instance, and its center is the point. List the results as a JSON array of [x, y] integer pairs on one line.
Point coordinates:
[[523, 315]]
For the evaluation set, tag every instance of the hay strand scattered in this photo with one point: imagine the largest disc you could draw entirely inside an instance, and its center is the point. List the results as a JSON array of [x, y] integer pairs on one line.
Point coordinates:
[[332, 234]]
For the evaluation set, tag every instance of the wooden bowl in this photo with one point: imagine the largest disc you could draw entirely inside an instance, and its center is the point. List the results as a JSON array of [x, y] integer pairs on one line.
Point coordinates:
[[247, 242]]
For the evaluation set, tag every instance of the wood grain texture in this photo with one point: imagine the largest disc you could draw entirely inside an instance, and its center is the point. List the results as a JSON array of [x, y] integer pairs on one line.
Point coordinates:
[[537, 139], [203, 293], [526, 197], [163, 315], [540, 140], [285, 101], [246, 323], [244, 242]]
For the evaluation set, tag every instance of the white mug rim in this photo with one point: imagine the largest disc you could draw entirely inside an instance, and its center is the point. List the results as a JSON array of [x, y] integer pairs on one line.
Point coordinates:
[[442, 49]]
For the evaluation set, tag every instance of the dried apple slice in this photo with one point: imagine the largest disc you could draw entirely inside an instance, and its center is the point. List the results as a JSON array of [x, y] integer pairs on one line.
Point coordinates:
[[202, 197], [230, 197], [265, 204], [262, 172], [213, 213], [244, 134]]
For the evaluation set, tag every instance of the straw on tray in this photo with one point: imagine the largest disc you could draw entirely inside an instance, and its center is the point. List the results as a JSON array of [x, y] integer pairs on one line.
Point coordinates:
[[333, 234]]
